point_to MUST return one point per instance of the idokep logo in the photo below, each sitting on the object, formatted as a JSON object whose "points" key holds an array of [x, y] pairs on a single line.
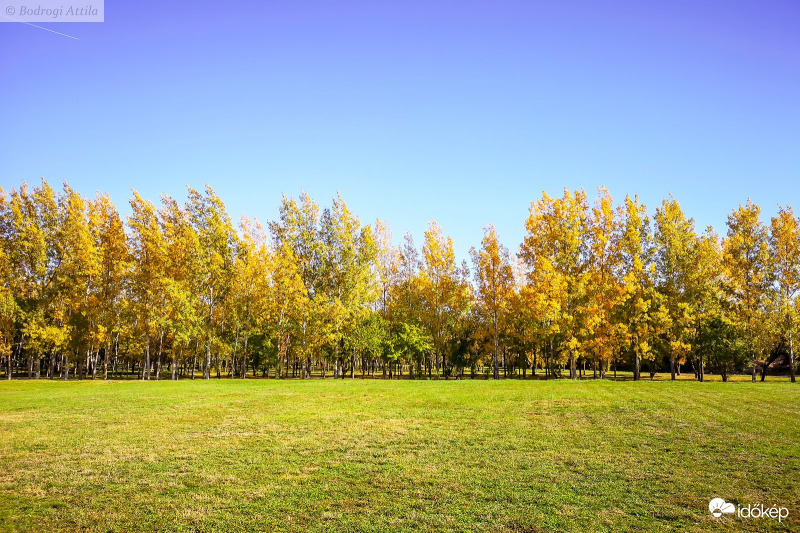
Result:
{"points": [[719, 507]]}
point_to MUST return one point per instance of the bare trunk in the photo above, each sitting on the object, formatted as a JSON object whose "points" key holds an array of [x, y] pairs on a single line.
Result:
{"points": [[158, 357], [496, 359], [175, 365], [194, 358], [207, 369], [244, 358], [146, 369], [105, 360]]}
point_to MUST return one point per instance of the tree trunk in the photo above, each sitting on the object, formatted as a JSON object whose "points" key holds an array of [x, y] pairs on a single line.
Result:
{"points": [[244, 358], [207, 369], [146, 369], [174, 365], [158, 360], [672, 367], [791, 358], [105, 360]]}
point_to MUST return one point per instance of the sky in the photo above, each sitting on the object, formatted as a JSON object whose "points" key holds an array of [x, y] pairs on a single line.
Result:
{"points": [[460, 111]]}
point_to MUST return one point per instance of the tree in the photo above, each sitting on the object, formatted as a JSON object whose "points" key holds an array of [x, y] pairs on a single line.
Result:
{"points": [[147, 282], [113, 263], [443, 293], [555, 253], [749, 274], [494, 279], [296, 238], [31, 228], [76, 276], [644, 316], [217, 242], [605, 289], [348, 269], [720, 342], [413, 343], [9, 311], [784, 240], [704, 292], [182, 319], [675, 252]]}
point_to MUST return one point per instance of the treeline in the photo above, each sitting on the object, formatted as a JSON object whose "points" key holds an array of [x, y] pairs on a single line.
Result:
{"points": [[176, 290]]}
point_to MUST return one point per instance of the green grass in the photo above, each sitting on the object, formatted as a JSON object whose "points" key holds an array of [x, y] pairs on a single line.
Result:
{"points": [[373, 455]]}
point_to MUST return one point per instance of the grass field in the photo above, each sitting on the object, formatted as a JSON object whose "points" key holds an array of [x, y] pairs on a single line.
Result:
{"points": [[374, 455]]}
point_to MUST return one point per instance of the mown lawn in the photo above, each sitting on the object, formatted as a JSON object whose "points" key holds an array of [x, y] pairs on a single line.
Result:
{"points": [[374, 455]]}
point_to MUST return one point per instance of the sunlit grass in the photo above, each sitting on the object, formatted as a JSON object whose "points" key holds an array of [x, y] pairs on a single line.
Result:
{"points": [[374, 455]]}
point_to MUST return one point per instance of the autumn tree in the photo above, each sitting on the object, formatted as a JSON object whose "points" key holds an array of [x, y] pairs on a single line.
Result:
{"points": [[494, 279], [675, 251], [605, 291], [749, 273], [784, 241], [9, 311], [113, 269], [555, 253], [217, 240], [443, 293], [182, 319], [148, 279], [708, 306], [32, 237], [348, 268], [296, 238], [644, 315], [76, 276]]}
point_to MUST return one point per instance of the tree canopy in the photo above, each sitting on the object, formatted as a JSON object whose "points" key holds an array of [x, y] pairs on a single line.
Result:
{"points": [[176, 289]]}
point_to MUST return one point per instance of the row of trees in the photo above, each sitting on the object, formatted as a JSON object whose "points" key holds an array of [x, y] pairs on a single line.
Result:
{"points": [[176, 289]]}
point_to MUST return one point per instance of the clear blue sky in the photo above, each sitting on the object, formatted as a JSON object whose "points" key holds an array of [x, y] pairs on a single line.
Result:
{"points": [[460, 111]]}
